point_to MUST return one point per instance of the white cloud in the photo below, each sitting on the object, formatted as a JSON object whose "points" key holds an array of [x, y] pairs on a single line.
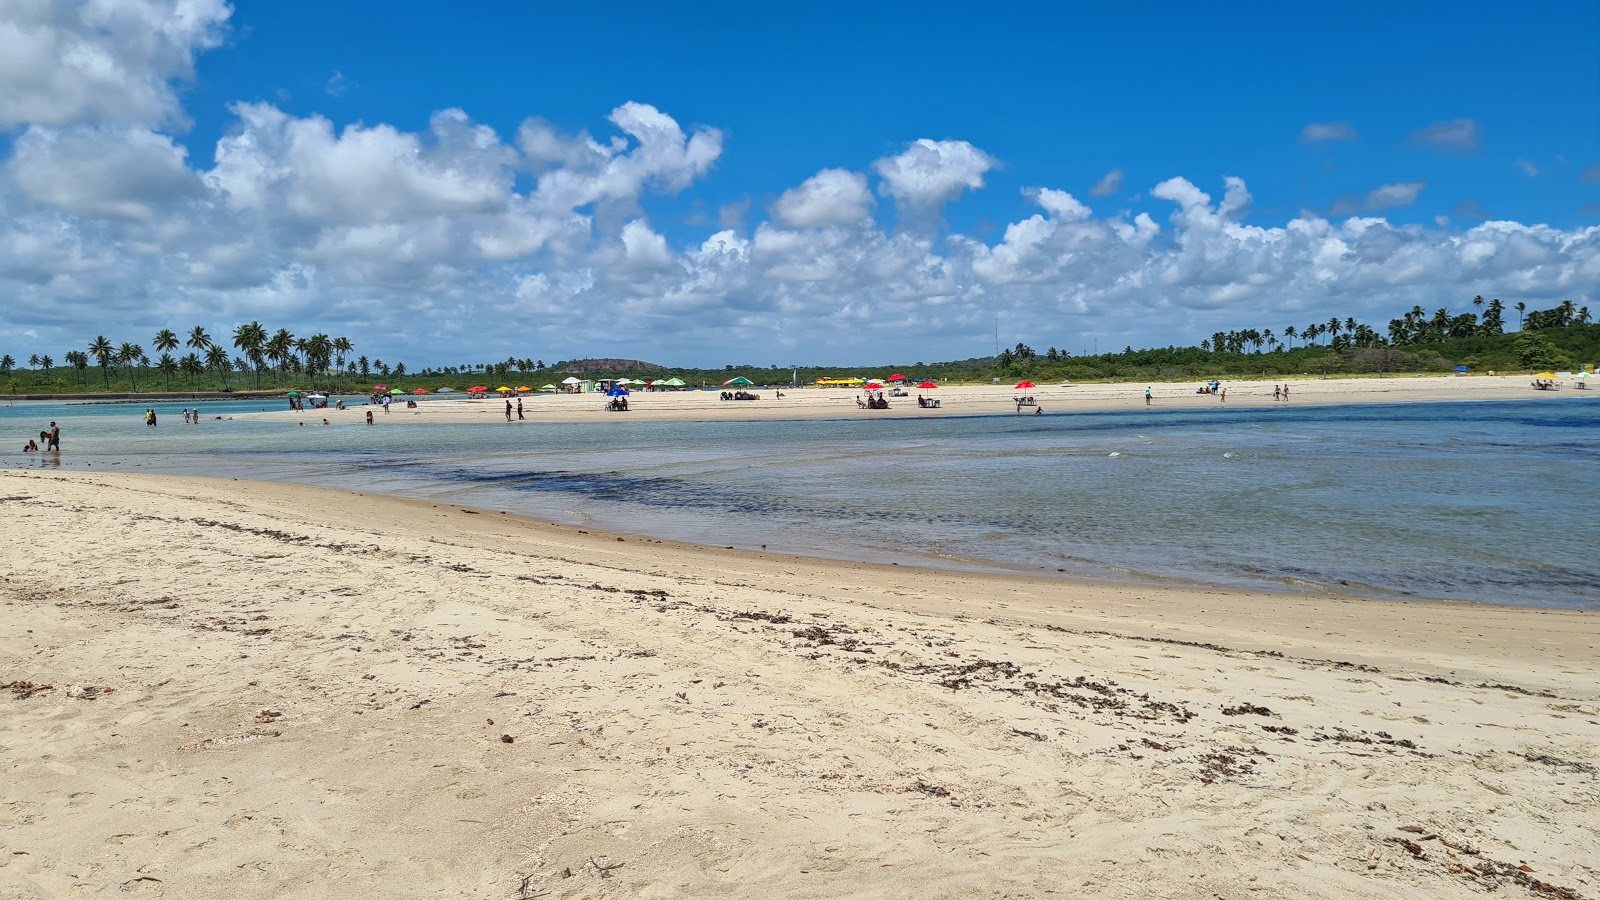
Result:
{"points": [[1454, 136], [930, 173], [1392, 195], [1320, 132], [1528, 167], [109, 171], [100, 61], [830, 197], [1108, 184]]}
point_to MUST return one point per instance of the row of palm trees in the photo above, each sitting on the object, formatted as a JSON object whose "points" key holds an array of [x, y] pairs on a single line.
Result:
{"points": [[259, 352], [1416, 326]]}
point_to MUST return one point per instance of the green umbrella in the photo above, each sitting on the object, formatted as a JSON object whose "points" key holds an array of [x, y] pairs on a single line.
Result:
{"points": [[740, 380], [396, 392], [292, 394]]}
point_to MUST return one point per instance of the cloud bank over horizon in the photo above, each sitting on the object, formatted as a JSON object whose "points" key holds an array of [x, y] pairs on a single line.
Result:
{"points": [[458, 242]]}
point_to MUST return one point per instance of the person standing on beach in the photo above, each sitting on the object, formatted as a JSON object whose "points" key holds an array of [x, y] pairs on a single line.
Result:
{"points": [[1286, 392], [519, 409], [1146, 396], [369, 417], [508, 409], [53, 442], [1277, 393], [1223, 395]]}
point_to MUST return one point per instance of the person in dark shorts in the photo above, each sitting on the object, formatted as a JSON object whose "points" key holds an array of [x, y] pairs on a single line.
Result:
{"points": [[53, 438]]}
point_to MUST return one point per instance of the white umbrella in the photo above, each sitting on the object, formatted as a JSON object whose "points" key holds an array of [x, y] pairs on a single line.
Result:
{"points": [[570, 380], [445, 390], [624, 381]]}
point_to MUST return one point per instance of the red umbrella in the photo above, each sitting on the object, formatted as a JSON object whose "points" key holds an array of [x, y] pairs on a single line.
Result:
{"points": [[380, 387], [927, 385], [897, 377], [1024, 384], [422, 391], [479, 389], [872, 386]]}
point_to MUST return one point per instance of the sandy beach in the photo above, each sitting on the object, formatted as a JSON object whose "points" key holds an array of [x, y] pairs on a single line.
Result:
{"points": [[957, 400], [225, 688]]}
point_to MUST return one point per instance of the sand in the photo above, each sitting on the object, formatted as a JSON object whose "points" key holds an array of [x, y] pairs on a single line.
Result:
{"points": [[222, 688], [958, 400]]}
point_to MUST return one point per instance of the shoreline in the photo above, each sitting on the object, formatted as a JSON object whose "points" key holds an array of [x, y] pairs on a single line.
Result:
{"points": [[245, 687], [956, 401]]}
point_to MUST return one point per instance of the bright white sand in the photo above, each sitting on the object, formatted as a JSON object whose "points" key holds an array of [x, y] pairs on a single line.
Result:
{"points": [[269, 691], [816, 403]]}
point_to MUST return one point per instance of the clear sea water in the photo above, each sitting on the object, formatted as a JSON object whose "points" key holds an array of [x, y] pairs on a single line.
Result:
{"points": [[1474, 501]]}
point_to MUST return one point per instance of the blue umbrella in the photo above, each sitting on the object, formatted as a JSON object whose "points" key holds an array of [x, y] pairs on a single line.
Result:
{"points": [[617, 392], [1463, 369]]}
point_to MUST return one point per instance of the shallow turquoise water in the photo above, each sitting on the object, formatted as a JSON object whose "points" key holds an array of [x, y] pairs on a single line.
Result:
{"points": [[1479, 501]]}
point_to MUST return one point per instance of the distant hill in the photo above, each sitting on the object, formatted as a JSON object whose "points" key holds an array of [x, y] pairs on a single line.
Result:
{"points": [[607, 366]]}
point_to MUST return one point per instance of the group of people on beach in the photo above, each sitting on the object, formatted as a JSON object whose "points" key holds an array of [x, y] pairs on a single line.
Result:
{"points": [[51, 438], [1215, 388], [872, 401], [1280, 393]]}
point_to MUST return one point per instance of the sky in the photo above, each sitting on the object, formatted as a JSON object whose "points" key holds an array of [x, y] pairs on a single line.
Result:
{"points": [[775, 185]]}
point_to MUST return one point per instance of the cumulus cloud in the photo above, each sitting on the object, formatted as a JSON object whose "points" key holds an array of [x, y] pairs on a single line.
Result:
{"points": [[1590, 173], [111, 172], [1109, 184], [1392, 195], [930, 173], [101, 62], [1320, 132], [1454, 136], [830, 197], [1528, 167]]}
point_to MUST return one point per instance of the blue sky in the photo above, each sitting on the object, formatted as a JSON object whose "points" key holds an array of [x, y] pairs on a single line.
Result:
{"points": [[368, 169]]}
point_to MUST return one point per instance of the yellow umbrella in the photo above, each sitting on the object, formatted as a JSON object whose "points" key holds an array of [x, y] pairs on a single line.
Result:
{"points": [[1545, 375], [502, 389]]}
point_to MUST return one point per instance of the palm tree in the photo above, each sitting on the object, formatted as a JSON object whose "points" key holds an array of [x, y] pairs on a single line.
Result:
{"points": [[79, 361], [1478, 301], [1583, 315], [7, 364], [1520, 308], [1291, 333], [217, 358], [198, 340], [165, 341], [280, 349], [193, 366], [251, 340], [318, 350], [341, 349], [33, 360], [168, 367], [46, 363], [104, 353], [132, 356]]}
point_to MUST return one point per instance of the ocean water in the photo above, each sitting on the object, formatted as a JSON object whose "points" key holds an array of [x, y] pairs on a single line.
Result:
{"points": [[1473, 501]]}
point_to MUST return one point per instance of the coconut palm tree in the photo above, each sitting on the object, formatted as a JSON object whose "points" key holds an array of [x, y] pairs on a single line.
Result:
{"points": [[46, 363], [132, 356], [217, 358], [192, 365], [198, 340], [165, 341], [104, 353], [33, 360], [7, 364], [168, 367], [1520, 308], [318, 350], [342, 348], [251, 340], [280, 349], [79, 361]]}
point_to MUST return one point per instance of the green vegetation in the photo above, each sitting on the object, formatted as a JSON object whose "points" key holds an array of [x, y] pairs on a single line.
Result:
{"points": [[1416, 342]]}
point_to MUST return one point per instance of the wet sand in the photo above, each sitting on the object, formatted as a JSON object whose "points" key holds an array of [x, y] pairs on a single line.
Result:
{"points": [[221, 688]]}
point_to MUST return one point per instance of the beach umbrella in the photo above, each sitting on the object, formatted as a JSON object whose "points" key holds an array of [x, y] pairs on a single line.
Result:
{"points": [[547, 387], [927, 385], [617, 392], [292, 394], [897, 377], [571, 380], [421, 391], [624, 381], [1023, 385], [1545, 375], [477, 389], [673, 382], [740, 380], [380, 388], [502, 389], [872, 386], [445, 390], [396, 392], [524, 389], [1462, 370]]}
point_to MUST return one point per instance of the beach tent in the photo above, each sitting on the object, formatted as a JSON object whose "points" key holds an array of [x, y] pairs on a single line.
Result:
{"points": [[673, 382], [1462, 370], [477, 389], [897, 377], [1024, 385], [421, 391], [547, 387], [571, 380], [624, 381], [445, 390], [502, 389], [740, 380], [872, 386], [617, 392], [524, 389]]}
